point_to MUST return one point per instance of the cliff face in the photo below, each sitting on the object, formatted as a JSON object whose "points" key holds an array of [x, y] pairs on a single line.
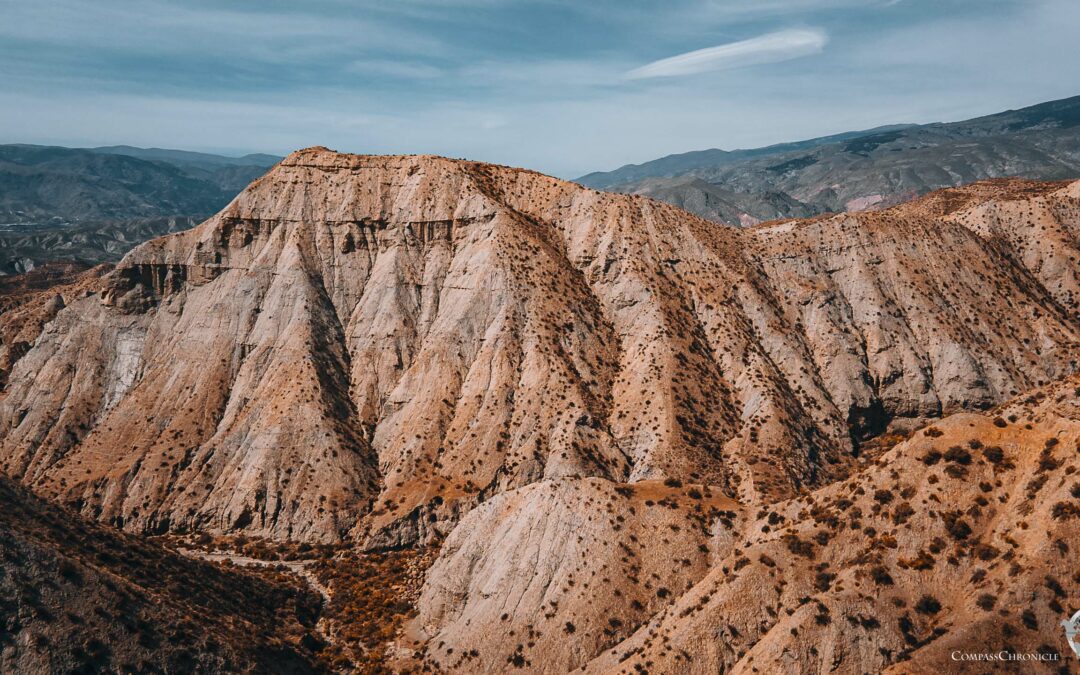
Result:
{"points": [[370, 346]]}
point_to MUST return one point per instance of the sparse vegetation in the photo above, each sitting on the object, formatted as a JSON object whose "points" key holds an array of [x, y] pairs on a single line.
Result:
{"points": [[372, 595]]}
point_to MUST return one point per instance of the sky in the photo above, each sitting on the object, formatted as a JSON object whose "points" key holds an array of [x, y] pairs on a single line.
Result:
{"points": [[561, 86]]}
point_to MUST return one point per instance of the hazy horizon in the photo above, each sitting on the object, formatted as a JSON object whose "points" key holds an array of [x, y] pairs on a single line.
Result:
{"points": [[543, 84]]}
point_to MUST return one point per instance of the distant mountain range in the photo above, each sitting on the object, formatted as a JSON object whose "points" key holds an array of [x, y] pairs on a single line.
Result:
{"points": [[94, 204], [860, 170]]}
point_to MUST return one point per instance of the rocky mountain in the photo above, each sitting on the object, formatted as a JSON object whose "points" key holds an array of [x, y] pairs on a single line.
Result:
{"points": [[94, 205], [638, 436], [79, 597], [862, 170]]}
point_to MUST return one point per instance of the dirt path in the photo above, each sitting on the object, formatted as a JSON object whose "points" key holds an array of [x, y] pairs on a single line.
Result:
{"points": [[297, 567]]}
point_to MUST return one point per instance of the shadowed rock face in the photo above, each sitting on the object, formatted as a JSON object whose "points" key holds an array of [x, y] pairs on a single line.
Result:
{"points": [[369, 346]]}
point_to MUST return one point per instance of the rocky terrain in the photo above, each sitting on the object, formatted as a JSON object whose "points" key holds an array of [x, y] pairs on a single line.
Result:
{"points": [[29, 301], [857, 171], [960, 538], [640, 440], [79, 597], [93, 205]]}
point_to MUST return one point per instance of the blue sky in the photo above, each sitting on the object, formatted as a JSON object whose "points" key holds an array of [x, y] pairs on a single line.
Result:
{"points": [[562, 86]]}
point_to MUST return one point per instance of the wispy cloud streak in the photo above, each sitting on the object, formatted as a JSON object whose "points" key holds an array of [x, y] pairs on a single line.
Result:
{"points": [[769, 48]]}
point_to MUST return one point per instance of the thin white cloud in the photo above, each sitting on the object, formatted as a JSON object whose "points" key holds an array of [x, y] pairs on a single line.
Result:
{"points": [[769, 48]]}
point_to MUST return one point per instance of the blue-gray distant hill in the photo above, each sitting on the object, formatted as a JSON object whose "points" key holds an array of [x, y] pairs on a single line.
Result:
{"points": [[93, 204], [859, 170]]}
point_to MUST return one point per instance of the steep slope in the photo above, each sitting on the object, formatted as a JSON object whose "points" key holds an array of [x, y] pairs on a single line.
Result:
{"points": [[874, 169], [1036, 224], [959, 539], [78, 597], [29, 301], [368, 347], [547, 576]]}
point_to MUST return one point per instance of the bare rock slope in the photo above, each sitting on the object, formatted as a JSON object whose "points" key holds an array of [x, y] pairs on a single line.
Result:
{"points": [[370, 346], [960, 538]]}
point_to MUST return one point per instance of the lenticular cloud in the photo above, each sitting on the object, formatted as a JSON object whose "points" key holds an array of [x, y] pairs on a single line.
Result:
{"points": [[770, 48]]}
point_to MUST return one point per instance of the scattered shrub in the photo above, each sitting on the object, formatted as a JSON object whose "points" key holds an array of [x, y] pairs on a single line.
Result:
{"points": [[994, 454], [881, 576], [928, 605], [958, 455], [883, 496], [1029, 620]]}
